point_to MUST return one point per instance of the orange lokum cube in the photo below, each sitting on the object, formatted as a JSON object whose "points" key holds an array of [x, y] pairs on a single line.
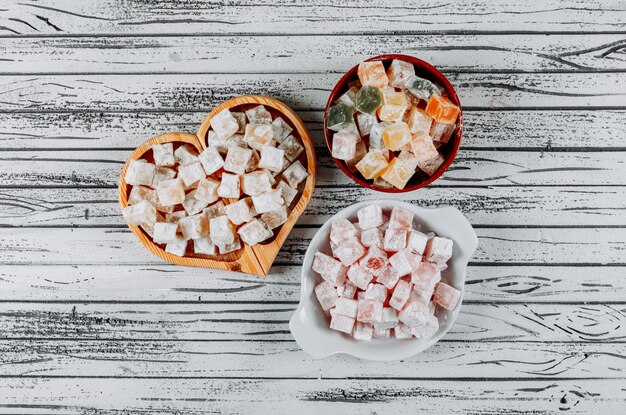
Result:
{"points": [[373, 73], [398, 173], [396, 135], [442, 109], [372, 164]]}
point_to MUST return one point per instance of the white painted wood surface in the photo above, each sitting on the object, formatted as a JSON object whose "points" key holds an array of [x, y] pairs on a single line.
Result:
{"points": [[92, 323]]}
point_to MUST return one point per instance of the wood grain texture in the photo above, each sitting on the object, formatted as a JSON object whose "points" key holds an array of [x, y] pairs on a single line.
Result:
{"points": [[119, 17]]}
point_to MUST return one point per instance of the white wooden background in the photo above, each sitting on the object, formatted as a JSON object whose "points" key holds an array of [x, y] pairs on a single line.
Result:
{"points": [[91, 323]]}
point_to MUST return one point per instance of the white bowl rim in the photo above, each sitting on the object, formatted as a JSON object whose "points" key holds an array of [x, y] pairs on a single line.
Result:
{"points": [[320, 341]]}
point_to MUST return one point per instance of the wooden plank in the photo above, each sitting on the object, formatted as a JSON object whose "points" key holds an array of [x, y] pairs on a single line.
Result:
{"points": [[499, 246], [554, 129], [262, 54], [284, 359], [58, 17], [484, 206], [309, 396], [185, 92], [167, 283], [201, 321], [471, 168]]}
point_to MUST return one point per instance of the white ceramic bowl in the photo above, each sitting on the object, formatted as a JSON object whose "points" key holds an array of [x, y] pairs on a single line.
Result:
{"points": [[309, 326]]}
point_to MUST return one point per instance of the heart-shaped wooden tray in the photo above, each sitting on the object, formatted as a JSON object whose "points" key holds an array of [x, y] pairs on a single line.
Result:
{"points": [[249, 259]]}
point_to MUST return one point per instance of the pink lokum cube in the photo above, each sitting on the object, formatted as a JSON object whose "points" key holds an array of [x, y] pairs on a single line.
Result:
{"points": [[446, 296], [349, 251], [400, 218], [381, 333], [388, 276], [395, 239], [370, 217], [374, 261], [438, 250], [426, 328], [348, 290], [363, 331], [346, 307], [369, 311], [400, 294], [359, 277], [326, 295], [341, 323], [341, 230], [329, 268], [402, 332], [417, 242], [389, 319], [414, 313], [404, 261], [425, 277], [376, 292], [372, 237]]}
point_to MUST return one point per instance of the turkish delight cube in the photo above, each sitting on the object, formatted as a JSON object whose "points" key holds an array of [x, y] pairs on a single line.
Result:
{"points": [[446, 296], [224, 124], [139, 172], [402, 332], [342, 230], [360, 152], [404, 262], [193, 205], [268, 201], [341, 323], [438, 250], [414, 313], [326, 295], [428, 157], [344, 145], [395, 239], [207, 190], [163, 154], [281, 129], [426, 328], [291, 147], [441, 132], [372, 237], [399, 72], [442, 109], [329, 268], [396, 135], [275, 218], [204, 246], [381, 333], [372, 165], [253, 163], [162, 173], [376, 136], [389, 319], [421, 88], [174, 217], [388, 276], [229, 187], [348, 290], [217, 142], [363, 331], [374, 261], [348, 97], [255, 183], [400, 218], [349, 252], [373, 73], [164, 232], [346, 307], [359, 277], [177, 247], [398, 172], [241, 121], [139, 193], [370, 216], [258, 135], [376, 292], [417, 242], [231, 247], [239, 212], [259, 115], [215, 210], [237, 160], [394, 106], [365, 122], [369, 311], [193, 227], [425, 278], [185, 154], [191, 173], [171, 192], [222, 230], [143, 213], [211, 160], [418, 121], [401, 294], [272, 158], [255, 232], [339, 117], [295, 174], [368, 100]]}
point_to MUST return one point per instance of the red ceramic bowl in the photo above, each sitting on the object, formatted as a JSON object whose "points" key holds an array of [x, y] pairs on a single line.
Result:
{"points": [[449, 150]]}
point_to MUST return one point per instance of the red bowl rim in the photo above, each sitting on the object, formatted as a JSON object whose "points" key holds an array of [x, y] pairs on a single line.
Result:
{"points": [[438, 77]]}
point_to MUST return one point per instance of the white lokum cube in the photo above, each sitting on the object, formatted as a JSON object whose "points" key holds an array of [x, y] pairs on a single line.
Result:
{"points": [[237, 159], [255, 232], [185, 154], [229, 187], [389, 319], [295, 174], [438, 250], [370, 217], [349, 251], [281, 129], [139, 193], [418, 121], [255, 183], [287, 192], [193, 227], [139, 172], [162, 173], [207, 190], [369, 311], [239, 212], [241, 121], [275, 218], [402, 332], [211, 160], [177, 247], [342, 230], [272, 158], [204, 246], [401, 294], [174, 217], [218, 143], [363, 331], [259, 115], [376, 292], [163, 154], [372, 237], [414, 313], [417, 242], [344, 144], [193, 205], [426, 328], [404, 262], [346, 307], [215, 210], [291, 147], [326, 295], [222, 231], [359, 277], [365, 122], [395, 239], [268, 201], [258, 135], [329, 268], [231, 247], [164, 232], [341, 323], [224, 124], [143, 213], [399, 72], [191, 173]]}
